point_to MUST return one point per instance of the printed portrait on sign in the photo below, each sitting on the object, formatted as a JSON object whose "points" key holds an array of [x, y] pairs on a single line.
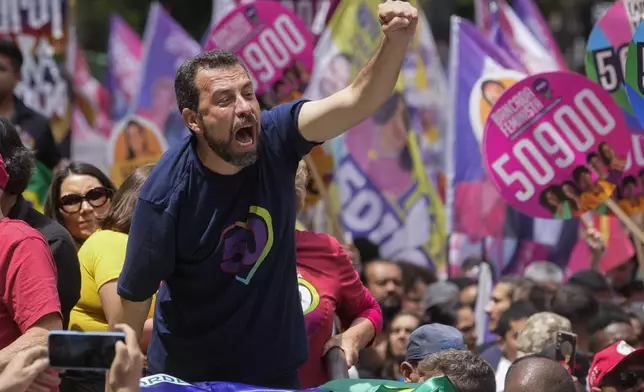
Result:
{"points": [[593, 193], [630, 200], [134, 142], [555, 200], [485, 93]]}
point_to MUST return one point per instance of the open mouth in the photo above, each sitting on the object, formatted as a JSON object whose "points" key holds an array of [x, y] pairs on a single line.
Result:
{"points": [[245, 137]]}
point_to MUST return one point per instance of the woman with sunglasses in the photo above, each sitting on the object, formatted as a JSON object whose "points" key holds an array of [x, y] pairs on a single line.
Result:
{"points": [[329, 284], [101, 259], [79, 194]]}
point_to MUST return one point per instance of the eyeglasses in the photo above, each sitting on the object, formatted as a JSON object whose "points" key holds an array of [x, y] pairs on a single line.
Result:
{"points": [[96, 197]]}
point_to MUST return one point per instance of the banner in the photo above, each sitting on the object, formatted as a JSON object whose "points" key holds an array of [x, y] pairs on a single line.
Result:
{"points": [[530, 15], [91, 123], [314, 13], [153, 122], [124, 52], [41, 33], [385, 193]]}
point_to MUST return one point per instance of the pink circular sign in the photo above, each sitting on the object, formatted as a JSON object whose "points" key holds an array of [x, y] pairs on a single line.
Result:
{"points": [[273, 42], [556, 145]]}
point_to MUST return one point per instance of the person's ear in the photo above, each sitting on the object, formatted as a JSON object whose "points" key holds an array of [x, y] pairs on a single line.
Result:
{"points": [[191, 119], [407, 371]]}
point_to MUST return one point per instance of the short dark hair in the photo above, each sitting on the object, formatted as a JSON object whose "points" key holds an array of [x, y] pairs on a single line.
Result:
{"points": [[185, 86], [52, 203], [574, 302], [413, 273], [606, 317], [467, 371], [18, 159], [543, 375], [578, 171], [445, 313], [592, 155], [119, 216], [517, 311], [540, 296], [11, 50]]}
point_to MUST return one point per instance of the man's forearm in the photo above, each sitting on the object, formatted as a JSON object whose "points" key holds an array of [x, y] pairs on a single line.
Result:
{"points": [[32, 338], [133, 314], [362, 330], [377, 79]]}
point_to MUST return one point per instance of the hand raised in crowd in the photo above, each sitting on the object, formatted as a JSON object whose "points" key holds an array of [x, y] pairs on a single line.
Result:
{"points": [[127, 368], [594, 239], [27, 371], [348, 343], [397, 18]]}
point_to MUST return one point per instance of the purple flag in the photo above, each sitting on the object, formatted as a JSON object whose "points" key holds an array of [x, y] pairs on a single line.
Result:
{"points": [[165, 47], [479, 74], [530, 15], [124, 65]]}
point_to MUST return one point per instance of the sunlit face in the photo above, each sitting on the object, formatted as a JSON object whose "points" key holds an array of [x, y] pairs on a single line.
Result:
{"points": [[137, 138], [401, 328], [9, 77], [466, 323], [597, 165], [83, 223], [492, 92], [499, 302], [509, 341], [384, 281], [569, 191], [229, 114], [552, 199], [608, 151], [337, 77], [393, 134]]}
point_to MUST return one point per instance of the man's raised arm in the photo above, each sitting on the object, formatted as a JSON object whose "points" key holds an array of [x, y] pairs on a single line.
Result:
{"points": [[330, 117]]}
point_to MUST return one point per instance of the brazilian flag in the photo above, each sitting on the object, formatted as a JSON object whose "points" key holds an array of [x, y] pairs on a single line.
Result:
{"points": [[38, 186]]}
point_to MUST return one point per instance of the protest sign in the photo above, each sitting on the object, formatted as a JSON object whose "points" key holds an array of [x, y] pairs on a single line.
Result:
{"points": [[275, 45], [606, 58], [547, 140]]}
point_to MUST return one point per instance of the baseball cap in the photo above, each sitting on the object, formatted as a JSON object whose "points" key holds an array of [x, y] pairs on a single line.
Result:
{"points": [[608, 359], [440, 292], [433, 338], [4, 176]]}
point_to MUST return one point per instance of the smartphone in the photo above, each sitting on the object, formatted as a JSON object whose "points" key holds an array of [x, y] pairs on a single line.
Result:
{"points": [[566, 349], [90, 351]]}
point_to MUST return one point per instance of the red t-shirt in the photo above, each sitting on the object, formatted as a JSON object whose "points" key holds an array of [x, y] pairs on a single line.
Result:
{"points": [[328, 285], [27, 279]]}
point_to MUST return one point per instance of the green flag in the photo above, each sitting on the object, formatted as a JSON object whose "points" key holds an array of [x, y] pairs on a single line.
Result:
{"points": [[435, 384], [38, 186]]}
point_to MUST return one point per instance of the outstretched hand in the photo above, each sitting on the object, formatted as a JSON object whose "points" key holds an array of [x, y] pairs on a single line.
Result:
{"points": [[398, 19]]}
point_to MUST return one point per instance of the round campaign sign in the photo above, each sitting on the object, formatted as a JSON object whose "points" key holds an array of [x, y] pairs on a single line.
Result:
{"points": [[275, 45], [606, 58], [556, 145]]}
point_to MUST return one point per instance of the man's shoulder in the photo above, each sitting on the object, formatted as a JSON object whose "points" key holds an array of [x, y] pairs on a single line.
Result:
{"points": [[13, 231], [48, 227], [169, 174], [285, 112]]}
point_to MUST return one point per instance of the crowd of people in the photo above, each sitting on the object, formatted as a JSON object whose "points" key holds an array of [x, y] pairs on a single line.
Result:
{"points": [[197, 259]]}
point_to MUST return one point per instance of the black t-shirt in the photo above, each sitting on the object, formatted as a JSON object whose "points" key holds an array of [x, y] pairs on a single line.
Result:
{"points": [[36, 134], [64, 251], [224, 247]]}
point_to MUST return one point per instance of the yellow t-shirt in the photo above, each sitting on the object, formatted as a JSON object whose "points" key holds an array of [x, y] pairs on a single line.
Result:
{"points": [[101, 260]]}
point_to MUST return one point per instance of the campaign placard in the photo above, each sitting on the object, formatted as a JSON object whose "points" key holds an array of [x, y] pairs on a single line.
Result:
{"points": [[606, 53], [275, 45], [556, 145]]}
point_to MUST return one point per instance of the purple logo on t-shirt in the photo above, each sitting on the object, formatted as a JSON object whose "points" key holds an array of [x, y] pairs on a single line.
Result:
{"points": [[246, 244]]}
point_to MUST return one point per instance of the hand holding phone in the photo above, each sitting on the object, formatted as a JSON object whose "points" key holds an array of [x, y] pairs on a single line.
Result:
{"points": [[87, 351], [25, 369], [566, 350]]}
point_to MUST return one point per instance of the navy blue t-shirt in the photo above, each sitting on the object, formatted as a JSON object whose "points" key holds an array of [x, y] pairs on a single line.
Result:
{"points": [[224, 247]]}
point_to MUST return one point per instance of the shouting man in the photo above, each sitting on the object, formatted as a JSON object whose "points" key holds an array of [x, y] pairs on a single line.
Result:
{"points": [[215, 221]]}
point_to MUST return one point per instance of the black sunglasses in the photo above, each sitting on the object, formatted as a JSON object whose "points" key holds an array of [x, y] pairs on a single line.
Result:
{"points": [[96, 197]]}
